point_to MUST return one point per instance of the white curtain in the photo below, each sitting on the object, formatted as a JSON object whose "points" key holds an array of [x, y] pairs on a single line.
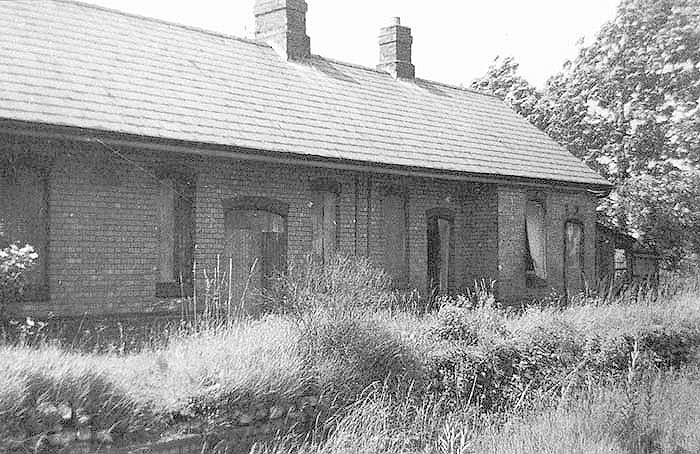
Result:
{"points": [[534, 223]]}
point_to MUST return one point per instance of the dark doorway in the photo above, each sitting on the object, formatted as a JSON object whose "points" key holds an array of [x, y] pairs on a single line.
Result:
{"points": [[439, 240]]}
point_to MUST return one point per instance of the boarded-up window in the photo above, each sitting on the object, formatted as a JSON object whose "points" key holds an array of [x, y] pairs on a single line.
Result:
{"points": [[324, 225], [620, 260], [536, 241], [176, 238], [167, 232], [439, 247], [394, 229], [256, 247], [573, 257], [24, 220]]}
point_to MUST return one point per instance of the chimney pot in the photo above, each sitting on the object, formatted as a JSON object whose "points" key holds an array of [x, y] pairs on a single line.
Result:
{"points": [[395, 43], [282, 24]]}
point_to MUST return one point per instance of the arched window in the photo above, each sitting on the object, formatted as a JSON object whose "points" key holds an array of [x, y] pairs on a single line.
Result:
{"points": [[256, 242], [440, 222], [535, 243]]}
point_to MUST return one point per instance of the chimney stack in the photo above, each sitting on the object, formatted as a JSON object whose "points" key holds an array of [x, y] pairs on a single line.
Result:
{"points": [[282, 24], [395, 43]]}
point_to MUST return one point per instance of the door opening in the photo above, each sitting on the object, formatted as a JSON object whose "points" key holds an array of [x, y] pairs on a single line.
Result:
{"points": [[439, 240]]}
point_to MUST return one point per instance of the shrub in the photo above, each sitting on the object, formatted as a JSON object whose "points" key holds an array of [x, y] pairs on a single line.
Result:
{"points": [[15, 262], [349, 352], [549, 353], [470, 318], [498, 359], [483, 376], [457, 324], [344, 282], [470, 326]]}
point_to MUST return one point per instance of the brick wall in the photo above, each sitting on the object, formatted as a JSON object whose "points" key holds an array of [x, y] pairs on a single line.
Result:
{"points": [[425, 194], [481, 234], [103, 223], [560, 207], [102, 241]]}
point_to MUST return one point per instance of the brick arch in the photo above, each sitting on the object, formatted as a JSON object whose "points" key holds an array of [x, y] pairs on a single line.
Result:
{"points": [[255, 245]]}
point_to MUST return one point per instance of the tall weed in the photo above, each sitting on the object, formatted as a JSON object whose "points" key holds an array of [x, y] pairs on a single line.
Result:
{"points": [[345, 283]]}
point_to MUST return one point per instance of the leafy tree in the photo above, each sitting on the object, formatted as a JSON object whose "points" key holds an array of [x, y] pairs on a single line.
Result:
{"points": [[667, 205], [503, 80], [629, 106], [629, 102]]}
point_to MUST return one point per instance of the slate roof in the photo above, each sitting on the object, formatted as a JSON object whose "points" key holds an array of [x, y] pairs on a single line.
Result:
{"points": [[72, 64]]}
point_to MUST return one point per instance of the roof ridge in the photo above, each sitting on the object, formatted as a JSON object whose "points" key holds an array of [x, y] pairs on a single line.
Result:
{"points": [[461, 88], [379, 71], [162, 22], [350, 64], [257, 43]]}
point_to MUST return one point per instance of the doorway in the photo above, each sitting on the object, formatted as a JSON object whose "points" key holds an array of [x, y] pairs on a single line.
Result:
{"points": [[255, 250], [439, 236], [573, 258]]}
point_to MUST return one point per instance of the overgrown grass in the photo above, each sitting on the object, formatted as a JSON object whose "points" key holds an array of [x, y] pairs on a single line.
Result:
{"points": [[597, 376], [345, 283], [657, 413]]}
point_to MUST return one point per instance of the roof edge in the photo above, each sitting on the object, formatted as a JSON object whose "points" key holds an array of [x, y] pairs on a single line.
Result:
{"points": [[65, 132]]}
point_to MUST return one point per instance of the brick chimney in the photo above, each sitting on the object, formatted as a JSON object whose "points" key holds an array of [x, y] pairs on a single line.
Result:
{"points": [[395, 43], [282, 23]]}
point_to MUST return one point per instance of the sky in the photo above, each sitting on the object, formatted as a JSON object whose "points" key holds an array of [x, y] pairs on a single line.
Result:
{"points": [[454, 41]]}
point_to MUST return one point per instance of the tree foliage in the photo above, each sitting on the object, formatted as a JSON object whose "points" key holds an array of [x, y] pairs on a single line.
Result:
{"points": [[629, 106], [503, 80]]}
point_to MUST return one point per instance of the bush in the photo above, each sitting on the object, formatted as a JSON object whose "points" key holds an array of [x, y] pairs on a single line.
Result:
{"points": [[549, 353], [494, 358], [480, 324], [345, 282], [465, 375], [15, 263], [348, 353]]}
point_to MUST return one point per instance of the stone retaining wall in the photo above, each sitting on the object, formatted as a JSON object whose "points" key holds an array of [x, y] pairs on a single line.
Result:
{"points": [[234, 431]]}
